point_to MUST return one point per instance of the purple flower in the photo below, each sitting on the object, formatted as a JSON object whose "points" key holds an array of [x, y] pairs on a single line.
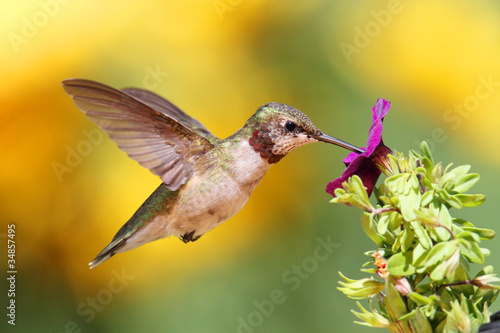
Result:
{"points": [[369, 164]]}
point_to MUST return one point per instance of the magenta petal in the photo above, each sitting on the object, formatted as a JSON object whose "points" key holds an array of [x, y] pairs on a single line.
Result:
{"points": [[362, 166], [380, 109], [375, 133], [351, 157], [374, 137], [365, 165]]}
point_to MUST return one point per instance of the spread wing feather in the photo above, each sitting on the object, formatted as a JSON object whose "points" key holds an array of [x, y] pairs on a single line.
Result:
{"points": [[151, 130], [168, 108]]}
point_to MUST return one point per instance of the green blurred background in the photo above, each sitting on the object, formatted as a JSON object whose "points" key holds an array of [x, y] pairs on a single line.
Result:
{"points": [[219, 61]]}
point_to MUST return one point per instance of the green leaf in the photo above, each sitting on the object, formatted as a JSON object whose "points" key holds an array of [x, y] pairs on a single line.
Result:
{"points": [[368, 263], [373, 318], [486, 270], [346, 279], [358, 289], [437, 172], [470, 236], [486, 253], [407, 316], [420, 323], [422, 235], [443, 220], [427, 183], [347, 195], [446, 268], [440, 328], [409, 204], [393, 161], [402, 184], [396, 308], [414, 183], [490, 296], [455, 229], [471, 251], [419, 254], [397, 242], [452, 177], [460, 171], [439, 253], [423, 288], [483, 233], [395, 201], [426, 152], [408, 238], [395, 220], [396, 183], [387, 238], [427, 198], [428, 165], [421, 171], [426, 216], [447, 181], [454, 202], [450, 200], [462, 222], [369, 228], [439, 234], [359, 189], [457, 318], [382, 224], [418, 277], [400, 264], [355, 200], [419, 299], [470, 200], [339, 192], [445, 217], [466, 183], [404, 164], [475, 324]]}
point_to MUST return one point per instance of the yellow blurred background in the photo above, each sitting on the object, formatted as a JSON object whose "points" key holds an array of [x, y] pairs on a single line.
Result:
{"points": [[219, 60]]}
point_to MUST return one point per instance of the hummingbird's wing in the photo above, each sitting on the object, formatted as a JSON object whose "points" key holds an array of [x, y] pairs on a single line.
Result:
{"points": [[168, 108], [160, 143]]}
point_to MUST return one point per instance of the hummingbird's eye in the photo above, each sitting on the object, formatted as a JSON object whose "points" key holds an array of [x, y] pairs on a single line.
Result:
{"points": [[290, 126]]}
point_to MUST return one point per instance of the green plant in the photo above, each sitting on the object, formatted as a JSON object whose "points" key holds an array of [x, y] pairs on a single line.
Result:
{"points": [[422, 279]]}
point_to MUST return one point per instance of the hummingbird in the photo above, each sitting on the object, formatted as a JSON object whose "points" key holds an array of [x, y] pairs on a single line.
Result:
{"points": [[205, 180]]}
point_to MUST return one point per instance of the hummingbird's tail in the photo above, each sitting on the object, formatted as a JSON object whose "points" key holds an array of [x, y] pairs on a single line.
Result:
{"points": [[141, 227]]}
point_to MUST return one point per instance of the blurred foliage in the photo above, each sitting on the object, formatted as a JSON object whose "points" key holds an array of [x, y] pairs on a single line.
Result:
{"points": [[432, 60], [425, 255]]}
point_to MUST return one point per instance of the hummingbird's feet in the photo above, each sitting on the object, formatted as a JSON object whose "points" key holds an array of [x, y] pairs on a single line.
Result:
{"points": [[186, 238]]}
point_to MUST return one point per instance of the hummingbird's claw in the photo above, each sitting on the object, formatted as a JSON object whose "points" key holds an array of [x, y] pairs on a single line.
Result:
{"points": [[189, 237]]}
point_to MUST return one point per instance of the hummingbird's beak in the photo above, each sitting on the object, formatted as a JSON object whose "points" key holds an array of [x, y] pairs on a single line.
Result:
{"points": [[330, 139]]}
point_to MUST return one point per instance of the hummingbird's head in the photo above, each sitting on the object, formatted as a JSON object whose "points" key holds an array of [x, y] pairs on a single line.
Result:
{"points": [[278, 129]]}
